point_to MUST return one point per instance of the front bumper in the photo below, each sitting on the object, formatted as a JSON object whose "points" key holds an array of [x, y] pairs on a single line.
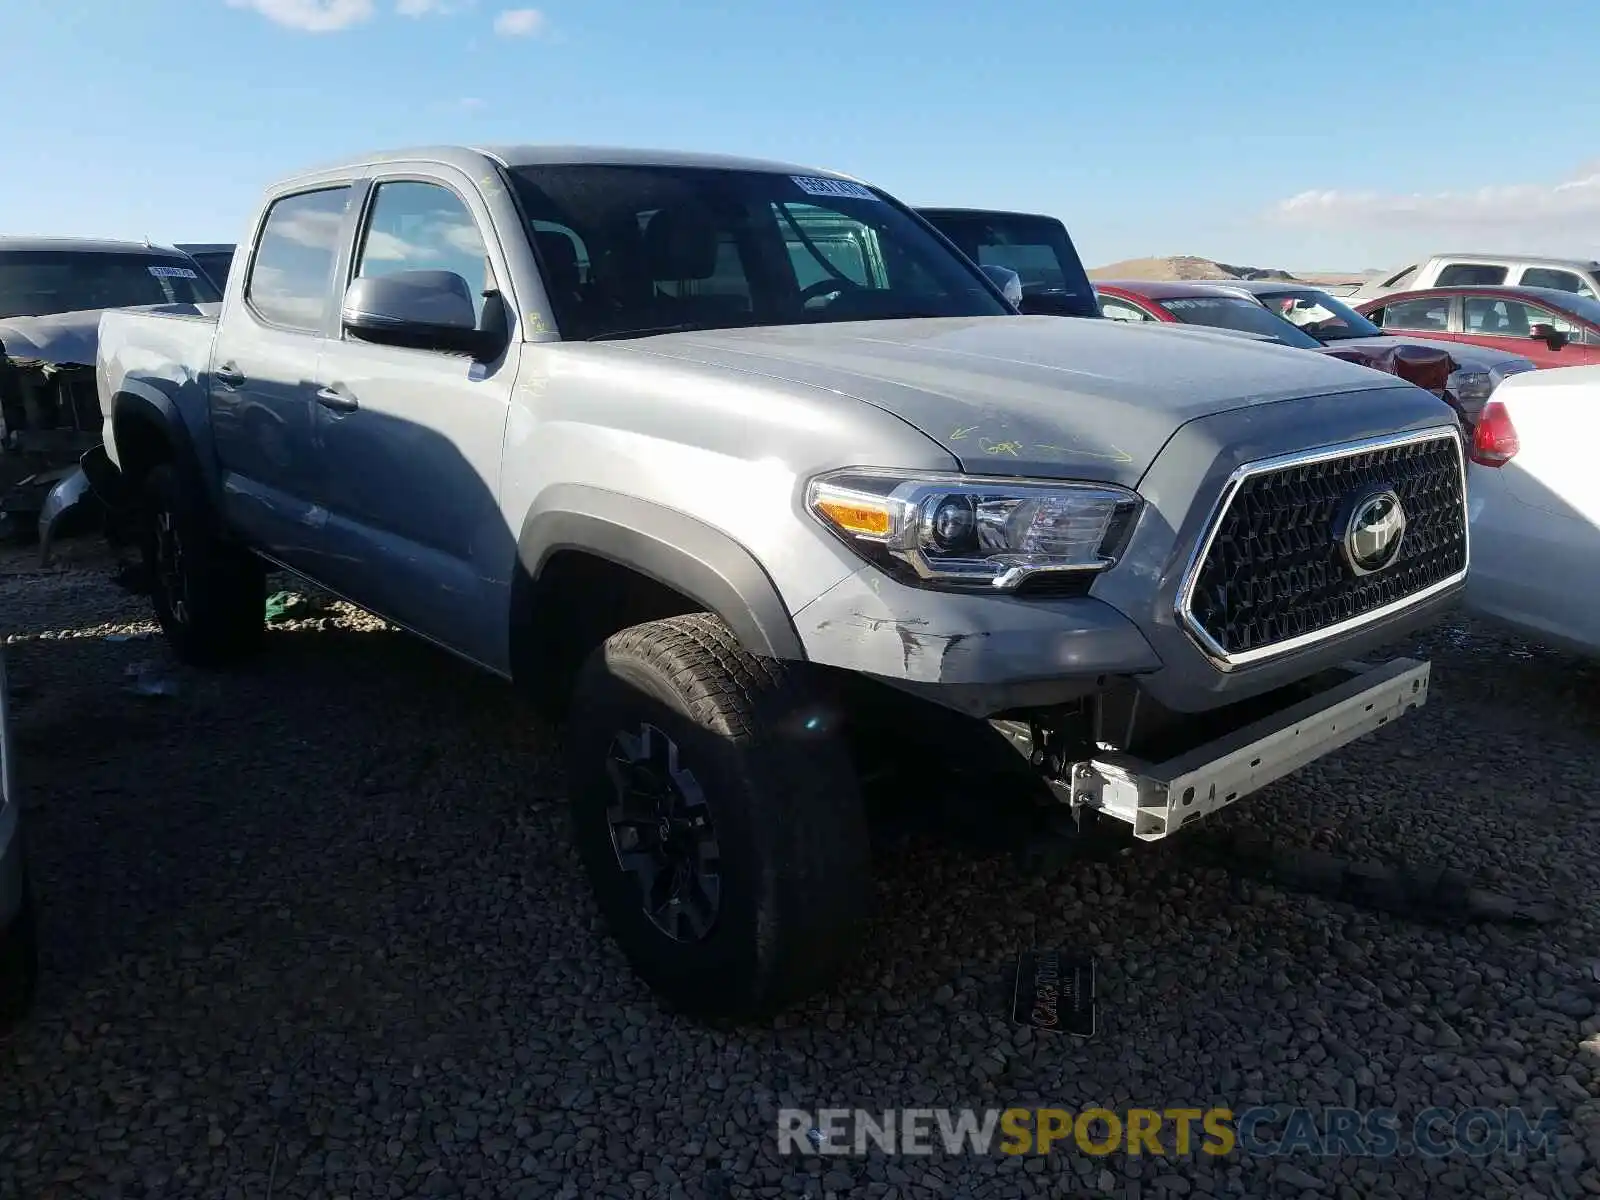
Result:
{"points": [[1158, 799]]}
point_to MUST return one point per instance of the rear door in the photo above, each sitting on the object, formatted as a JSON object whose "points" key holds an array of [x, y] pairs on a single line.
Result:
{"points": [[270, 338]]}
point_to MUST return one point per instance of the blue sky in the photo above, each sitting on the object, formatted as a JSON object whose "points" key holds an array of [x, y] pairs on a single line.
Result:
{"points": [[1345, 136]]}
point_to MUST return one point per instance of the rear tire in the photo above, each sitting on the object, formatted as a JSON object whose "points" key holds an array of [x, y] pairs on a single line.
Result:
{"points": [[209, 596], [19, 963], [713, 773]]}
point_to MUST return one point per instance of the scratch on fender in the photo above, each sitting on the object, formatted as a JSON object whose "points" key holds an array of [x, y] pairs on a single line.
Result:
{"points": [[1116, 454], [993, 447]]}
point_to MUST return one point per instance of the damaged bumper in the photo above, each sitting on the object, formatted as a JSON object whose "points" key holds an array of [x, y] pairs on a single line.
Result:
{"points": [[64, 502], [1159, 798]]}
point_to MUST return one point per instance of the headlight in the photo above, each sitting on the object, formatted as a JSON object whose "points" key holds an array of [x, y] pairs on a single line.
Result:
{"points": [[1471, 386], [978, 532], [1515, 367]]}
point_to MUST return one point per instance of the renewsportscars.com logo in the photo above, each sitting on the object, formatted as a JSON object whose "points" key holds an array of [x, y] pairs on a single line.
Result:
{"points": [[1172, 1132]]}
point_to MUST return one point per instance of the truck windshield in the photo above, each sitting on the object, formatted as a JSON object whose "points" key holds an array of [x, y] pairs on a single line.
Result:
{"points": [[1037, 248], [1230, 312], [39, 283], [633, 250], [1319, 314]]}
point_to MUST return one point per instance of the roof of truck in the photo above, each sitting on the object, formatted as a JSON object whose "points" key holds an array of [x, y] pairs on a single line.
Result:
{"points": [[471, 158], [83, 245], [1583, 264]]}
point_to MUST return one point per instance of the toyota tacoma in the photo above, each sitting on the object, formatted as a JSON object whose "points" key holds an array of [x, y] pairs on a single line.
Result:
{"points": [[744, 472]]}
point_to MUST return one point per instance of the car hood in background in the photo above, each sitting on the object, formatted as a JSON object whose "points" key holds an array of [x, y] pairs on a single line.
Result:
{"points": [[70, 339], [1476, 358], [1428, 366], [1027, 395]]}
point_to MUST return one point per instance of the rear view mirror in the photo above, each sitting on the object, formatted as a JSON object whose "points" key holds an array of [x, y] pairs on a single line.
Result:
{"points": [[422, 310], [1549, 335]]}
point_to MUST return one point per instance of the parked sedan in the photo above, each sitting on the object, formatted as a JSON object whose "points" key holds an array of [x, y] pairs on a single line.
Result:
{"points": [[1534, 508], [1333, 322], [1219, 306], [1553, 328]]}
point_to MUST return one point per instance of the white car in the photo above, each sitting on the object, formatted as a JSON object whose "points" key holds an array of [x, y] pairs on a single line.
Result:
{"points": [[1534, 508]]}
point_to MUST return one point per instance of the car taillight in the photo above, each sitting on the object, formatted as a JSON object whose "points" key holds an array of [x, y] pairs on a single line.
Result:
{"points": [[1494, 441]]}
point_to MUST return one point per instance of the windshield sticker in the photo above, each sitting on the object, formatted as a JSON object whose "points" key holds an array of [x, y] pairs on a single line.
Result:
{"points": [[814, 186], [172, 273], [1207, 302]]}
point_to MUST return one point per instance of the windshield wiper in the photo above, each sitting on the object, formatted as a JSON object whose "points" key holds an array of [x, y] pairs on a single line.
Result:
{"points": [[650, 331]]}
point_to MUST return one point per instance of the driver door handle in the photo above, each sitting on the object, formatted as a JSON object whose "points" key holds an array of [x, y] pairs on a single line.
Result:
{"points": [[333, 398], [228, 375]]}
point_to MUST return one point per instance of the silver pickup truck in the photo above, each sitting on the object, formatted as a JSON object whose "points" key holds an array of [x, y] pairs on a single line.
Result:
{"points": [[747, 473]]}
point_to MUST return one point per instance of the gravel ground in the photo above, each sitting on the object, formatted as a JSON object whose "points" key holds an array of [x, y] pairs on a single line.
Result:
{"points": [[313, 929]]}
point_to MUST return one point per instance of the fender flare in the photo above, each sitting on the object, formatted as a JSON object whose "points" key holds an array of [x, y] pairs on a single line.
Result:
{"points": [[151, 407], [668, 546]]}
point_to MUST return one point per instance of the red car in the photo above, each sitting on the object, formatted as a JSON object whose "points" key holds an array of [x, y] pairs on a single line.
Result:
{"points": [[1426, 366], [1553, 328]]}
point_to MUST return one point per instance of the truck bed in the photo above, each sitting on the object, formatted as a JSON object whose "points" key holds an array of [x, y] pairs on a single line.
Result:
{"points": [[161, 354]]}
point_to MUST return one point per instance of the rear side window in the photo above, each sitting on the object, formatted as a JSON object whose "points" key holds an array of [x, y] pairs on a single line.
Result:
{"points": [[1120, 310], [1561, 281], [1429, 314], [1402, 280], [291, 277], [1471, 275]]}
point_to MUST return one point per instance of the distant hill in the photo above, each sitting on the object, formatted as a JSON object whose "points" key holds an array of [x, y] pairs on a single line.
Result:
{"points": [[1188, 266]]}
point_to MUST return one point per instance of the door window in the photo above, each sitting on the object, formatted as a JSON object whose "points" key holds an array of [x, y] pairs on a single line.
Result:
{"points": [[1488, 316], [425, 227], [291, 276], [1426, 314], [1471, 275]]}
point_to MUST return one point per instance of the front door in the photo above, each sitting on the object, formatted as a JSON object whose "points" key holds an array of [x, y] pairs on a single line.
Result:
{"points": [[264, 365], [409, 441], [1506, 324]]}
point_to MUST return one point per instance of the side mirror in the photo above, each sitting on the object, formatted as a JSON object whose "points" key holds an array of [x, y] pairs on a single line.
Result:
{"points": [[1549, 335], [1007, 280], [421, 310]]}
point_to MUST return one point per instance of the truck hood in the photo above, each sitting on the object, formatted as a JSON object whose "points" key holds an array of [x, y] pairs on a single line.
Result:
{"points": [[1039, 395], [70, 339]]}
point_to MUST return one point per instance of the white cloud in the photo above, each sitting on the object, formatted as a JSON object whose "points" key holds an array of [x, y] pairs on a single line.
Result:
{"points": [[520, 22], [427, 8], [1566, 213], [312, 16]]}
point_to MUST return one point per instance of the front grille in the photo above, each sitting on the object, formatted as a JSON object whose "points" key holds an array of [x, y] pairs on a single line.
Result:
{"points": [[1275, 571]]}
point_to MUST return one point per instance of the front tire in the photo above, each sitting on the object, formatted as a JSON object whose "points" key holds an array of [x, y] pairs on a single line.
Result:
{"points": [[718, 817], [209, 596]]}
